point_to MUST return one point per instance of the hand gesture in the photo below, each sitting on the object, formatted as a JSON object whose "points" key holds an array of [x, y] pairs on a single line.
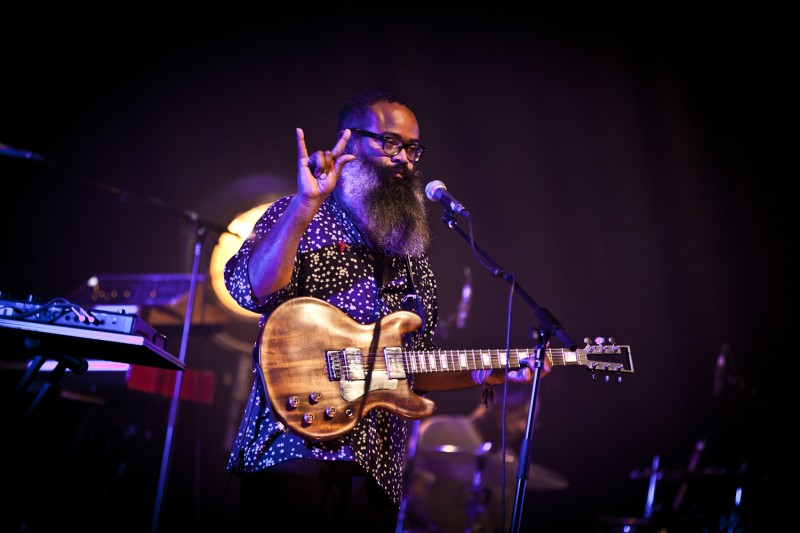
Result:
{"points": [[318, 173]]}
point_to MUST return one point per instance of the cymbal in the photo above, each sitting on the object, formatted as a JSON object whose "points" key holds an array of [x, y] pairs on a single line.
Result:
{"points": [[541, 478], [457, 450], [462, 464]]}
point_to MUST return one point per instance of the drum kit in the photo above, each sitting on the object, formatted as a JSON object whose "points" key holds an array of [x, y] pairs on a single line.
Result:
{"points": [[469, 489]]}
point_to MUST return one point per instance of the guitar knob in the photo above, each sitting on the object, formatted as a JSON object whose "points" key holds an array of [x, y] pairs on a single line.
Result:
{"points": [[308, 418], [349, 412], [330, 412], [314, 397], [293, 402]]}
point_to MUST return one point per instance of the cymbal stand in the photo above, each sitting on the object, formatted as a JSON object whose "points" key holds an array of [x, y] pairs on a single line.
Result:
{"points": [[649, 504], [479, 495]]}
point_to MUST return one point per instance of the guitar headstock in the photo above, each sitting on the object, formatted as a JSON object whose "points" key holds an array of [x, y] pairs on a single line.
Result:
{"points": [[606, 356]]}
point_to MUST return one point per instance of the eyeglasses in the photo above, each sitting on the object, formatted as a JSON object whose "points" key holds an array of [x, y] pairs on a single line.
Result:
{"points": [[393, 145]]}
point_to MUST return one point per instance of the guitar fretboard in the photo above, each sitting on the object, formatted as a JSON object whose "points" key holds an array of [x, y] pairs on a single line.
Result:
{"points": [[459, 360]]}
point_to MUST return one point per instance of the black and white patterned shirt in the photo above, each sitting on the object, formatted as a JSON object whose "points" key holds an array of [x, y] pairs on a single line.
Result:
{"points": [[335, 264]]}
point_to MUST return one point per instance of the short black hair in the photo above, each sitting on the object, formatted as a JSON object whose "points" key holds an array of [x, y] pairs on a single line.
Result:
{"points": [[356, 108]]}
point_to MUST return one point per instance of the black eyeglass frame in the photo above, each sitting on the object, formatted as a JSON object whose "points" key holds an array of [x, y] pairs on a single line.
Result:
{"points": [[402, 146]]}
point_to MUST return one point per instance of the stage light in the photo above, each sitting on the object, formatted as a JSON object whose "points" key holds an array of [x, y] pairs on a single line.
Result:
{"points": [[227, 245]]}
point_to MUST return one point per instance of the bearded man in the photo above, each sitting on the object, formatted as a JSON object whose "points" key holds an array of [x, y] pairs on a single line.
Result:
{"points": [[354, 236]]}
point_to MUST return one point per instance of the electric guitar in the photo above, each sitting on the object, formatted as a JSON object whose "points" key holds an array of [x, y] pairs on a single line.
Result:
{"points": [[324, 371]]}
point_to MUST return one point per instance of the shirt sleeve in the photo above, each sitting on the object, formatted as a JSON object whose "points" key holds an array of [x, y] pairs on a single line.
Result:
{"points": [[236, 273]]}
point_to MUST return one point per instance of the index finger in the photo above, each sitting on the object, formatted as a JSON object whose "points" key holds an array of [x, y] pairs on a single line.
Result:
{"points": [[302, 152], [338, 148]]}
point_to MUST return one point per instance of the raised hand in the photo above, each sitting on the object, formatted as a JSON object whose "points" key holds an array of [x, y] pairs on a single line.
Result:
{"points": [[318, 173]]}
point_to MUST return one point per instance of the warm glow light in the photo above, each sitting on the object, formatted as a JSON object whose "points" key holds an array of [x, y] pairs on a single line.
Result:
{"points": [[227, 245]]}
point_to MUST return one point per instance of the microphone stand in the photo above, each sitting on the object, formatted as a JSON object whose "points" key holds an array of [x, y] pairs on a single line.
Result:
{"points": [[548, 327]]}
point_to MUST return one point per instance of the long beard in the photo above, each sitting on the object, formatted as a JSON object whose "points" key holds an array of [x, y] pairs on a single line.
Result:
{"points": [[390, 211]]}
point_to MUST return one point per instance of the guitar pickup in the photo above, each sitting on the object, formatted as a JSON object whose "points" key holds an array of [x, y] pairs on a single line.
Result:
{"points": [[347, 364], [393, 357]]}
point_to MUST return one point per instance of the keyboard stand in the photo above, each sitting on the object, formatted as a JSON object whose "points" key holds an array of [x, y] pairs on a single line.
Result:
{"points": [[63, 362]]}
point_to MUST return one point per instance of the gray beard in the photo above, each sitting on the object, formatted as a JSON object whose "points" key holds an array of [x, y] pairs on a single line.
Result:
{"points": [[390, 212]]}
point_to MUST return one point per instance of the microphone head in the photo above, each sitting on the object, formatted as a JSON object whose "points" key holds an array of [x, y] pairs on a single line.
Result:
{"points": [[432, 187]]}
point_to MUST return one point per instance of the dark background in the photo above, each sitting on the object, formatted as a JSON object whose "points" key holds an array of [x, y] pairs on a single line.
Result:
{"points": [[624, 170]]}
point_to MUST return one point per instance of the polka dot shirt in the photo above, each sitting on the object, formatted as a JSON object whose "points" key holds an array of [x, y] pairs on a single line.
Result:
{"points": [[335, 264]]}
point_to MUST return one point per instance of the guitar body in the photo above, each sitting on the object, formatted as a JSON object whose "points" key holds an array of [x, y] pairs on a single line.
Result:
{"points": [[297, 373]]}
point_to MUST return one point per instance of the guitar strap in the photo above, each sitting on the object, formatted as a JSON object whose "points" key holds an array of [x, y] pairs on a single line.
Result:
{"points": [[413, 295]]}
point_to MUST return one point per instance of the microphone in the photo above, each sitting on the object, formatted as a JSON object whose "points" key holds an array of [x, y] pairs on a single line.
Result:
{"points": [[10, 151], [435, 191]]}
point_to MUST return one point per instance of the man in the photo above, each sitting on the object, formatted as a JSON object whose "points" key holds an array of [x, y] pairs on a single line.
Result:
{"points": [[353, 235]]}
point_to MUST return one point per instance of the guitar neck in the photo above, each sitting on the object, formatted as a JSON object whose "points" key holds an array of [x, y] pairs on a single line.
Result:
{"points": [[461, 360]]}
